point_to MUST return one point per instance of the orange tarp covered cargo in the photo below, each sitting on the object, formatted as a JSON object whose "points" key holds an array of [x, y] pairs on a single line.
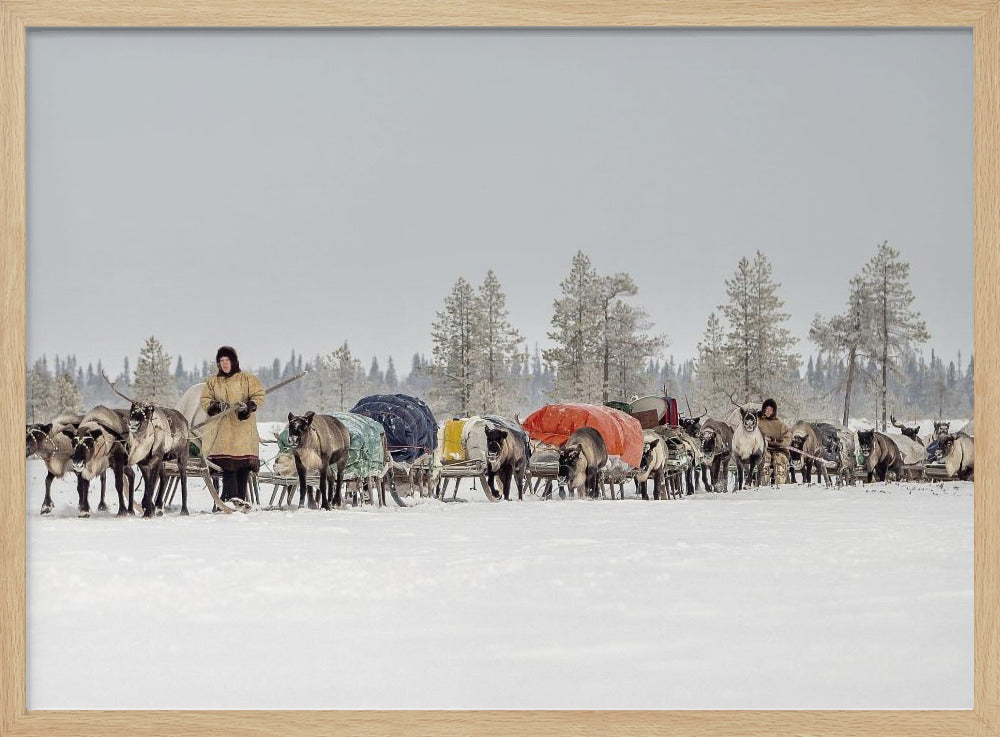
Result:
{"points": [[554, 423]]}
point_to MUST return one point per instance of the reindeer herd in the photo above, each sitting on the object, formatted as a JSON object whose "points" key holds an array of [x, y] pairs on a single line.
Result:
{"points": [[700, 452]]}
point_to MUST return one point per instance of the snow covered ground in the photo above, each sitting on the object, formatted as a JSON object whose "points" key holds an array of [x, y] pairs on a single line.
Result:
{"points": [[798, 598]]}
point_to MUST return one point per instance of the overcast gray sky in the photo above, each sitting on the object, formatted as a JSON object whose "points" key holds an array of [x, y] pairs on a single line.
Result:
{"points": [[280, 189]]}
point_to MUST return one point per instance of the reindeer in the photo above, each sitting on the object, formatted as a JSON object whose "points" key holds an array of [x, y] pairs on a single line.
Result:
{"points": [[882, 458], [805, 451], [156, 434], [581, 459], [652, 465], [838, 450], [506, 457], [99, 443], [691, 426], [47, 441], [748, 446], [717, 446], [318, 442], [958, 453], [913, 433]]}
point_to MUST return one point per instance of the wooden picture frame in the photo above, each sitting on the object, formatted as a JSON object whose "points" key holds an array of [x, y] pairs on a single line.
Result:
{"points": [[17, 16]]}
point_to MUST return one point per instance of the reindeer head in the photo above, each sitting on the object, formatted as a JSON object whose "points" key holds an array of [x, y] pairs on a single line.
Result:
{"points": [[36, 438], [691, 425], [944, 445], [298, 428], [139, 414], [795, 450], [84, 445], [913, 433], [569, 457], [866, 442], [495, 438], [941, 429], [748, 414]]}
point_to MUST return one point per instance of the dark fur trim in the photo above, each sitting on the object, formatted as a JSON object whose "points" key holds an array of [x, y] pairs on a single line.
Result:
{"points": [[230, 352]]}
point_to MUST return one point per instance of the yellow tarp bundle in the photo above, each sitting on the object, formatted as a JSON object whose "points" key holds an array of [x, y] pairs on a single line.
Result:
{"points": [[452, 448]]}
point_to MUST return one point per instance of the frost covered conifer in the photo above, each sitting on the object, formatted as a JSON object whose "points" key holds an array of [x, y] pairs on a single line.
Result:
{"points": [[759, 346], [455, 335], [497, 355], [893, 325], [844, 335], [154, 381], [714, 375], [67, 395], [341, 376], [40, 393], [576, 334], [631, 348]]}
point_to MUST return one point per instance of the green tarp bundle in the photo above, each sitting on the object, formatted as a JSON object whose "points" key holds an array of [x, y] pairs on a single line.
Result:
{"points": [[365, 457]]}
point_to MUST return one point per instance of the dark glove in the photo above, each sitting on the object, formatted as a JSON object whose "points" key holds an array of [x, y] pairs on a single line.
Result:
{"points": [[216, 407], [246, 410]]}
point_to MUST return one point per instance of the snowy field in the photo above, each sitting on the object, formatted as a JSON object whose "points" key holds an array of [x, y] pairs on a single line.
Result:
{"points": [[798, 598]]}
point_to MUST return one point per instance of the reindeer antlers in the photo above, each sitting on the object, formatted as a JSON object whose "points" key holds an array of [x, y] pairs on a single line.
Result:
{"points": [[115, 388]]}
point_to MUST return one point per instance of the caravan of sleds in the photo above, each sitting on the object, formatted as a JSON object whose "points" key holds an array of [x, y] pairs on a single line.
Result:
{"points": [[392, 444]]}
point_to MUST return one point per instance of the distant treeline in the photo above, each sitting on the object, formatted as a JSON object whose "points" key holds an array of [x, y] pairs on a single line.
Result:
{"points": [[602, 346]]}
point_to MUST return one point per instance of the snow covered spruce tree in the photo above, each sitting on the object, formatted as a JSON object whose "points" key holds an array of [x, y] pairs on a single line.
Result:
{"points": [[714, 377], [758, 347], [154, 381], [343, 377], [894, 325], [67, 395], [602, 344], [576, 333], [476, 350], [40, 393], [455, 337], [499, 354], [630, 349], [391, 379], [844, 335]]}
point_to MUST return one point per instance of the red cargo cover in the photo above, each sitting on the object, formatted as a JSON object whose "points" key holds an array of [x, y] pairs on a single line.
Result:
{"points": [[554, 423]]}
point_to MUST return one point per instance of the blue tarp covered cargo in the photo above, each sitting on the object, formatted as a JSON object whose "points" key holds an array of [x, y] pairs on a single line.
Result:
{"points": [[410, 427]]}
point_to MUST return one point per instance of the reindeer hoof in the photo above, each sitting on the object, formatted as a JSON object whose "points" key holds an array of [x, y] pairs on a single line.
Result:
{"points": [[83, 513], [102, 507], [185, 512], [122, 513], [46, 509]]}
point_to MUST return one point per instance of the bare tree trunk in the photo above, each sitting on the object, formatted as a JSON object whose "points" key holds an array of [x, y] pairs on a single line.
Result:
{"points": [[885, 342], [607, 356], [851, 360]]}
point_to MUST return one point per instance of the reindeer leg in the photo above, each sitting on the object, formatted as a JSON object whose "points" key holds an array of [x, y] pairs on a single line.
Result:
{"points": [[520, 484], [324, 486], [47, 504], [119, 472], [82, 490], [102, 506], [338, 500], [160, 478], [149, 485], [505, 473], [182, 464], [130, 475]]}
